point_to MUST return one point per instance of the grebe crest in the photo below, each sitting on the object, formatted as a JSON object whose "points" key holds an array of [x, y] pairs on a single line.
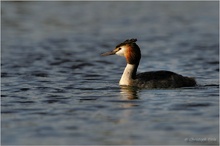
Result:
{"points": [[156, 79]]}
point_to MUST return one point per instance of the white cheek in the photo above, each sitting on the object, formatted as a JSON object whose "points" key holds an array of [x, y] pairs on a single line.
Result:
{"points": [[121, 52]]}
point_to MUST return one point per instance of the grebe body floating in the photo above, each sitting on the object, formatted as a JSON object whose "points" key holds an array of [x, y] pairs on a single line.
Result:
{"points": [[156, 79]]}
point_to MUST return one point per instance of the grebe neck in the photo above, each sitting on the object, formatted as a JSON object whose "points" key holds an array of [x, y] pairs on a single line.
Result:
{"points": [[129, 74]]}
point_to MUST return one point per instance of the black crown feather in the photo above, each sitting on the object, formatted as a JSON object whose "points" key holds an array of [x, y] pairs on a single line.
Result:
{"points": [[131, 41]]}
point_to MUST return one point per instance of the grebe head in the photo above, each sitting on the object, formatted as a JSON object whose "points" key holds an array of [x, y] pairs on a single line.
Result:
{"points": [[129, 49]]}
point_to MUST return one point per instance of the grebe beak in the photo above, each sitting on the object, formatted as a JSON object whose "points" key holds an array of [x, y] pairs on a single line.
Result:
{"points": [[109, 53]]}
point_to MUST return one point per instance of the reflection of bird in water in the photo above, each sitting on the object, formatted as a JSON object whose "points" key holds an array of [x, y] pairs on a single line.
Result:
{"points": [[156, 79], [129, 93]]}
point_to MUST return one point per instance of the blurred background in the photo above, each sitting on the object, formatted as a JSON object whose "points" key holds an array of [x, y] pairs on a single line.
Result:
{"points": [[56, 89]]}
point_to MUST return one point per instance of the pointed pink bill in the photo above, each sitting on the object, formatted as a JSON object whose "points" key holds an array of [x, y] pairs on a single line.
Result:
{"points": [[108, 53]]}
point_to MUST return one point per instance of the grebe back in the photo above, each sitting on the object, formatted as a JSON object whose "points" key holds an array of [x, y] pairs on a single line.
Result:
{"points": [[155, 79]]}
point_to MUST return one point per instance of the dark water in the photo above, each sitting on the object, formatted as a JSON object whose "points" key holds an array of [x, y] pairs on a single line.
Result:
{"points": [[56, 89]]}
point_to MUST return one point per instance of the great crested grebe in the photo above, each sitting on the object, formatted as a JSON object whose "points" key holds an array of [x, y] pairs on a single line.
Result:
{"points": [[155, 79]]}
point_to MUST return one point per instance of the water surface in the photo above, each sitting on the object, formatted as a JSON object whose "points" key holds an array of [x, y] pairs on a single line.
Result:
{"points": [[57, 89]]}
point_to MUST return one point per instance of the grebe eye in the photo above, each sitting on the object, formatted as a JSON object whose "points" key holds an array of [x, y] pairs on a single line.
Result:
{"points": [[119, 48]]}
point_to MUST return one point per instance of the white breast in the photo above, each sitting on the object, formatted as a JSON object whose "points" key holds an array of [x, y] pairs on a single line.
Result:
{"points": [[126, 77]]}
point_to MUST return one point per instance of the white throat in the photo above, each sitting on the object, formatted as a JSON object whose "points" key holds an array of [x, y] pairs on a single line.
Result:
{"points": [[129, 71]]}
